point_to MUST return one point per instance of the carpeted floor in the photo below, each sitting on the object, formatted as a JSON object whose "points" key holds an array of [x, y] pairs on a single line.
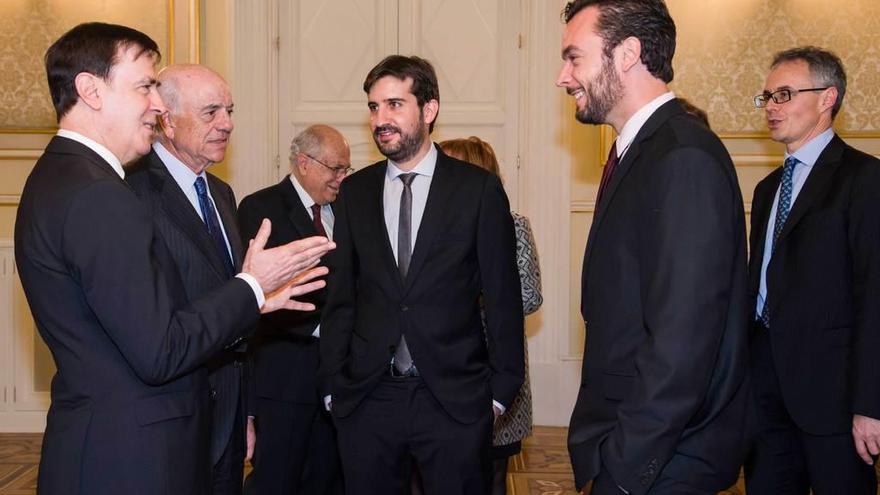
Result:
{"points": [[541, 469]]}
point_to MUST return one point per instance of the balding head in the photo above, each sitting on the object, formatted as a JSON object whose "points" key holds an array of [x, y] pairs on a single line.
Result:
{"points": [[319, 159], [197, 126]]}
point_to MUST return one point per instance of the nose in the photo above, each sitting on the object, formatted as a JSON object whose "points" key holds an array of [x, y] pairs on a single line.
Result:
{"points": [[225, 121], [156, 104], [564, 75]]}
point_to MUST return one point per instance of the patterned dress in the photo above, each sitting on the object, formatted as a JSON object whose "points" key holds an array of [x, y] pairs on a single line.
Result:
{"points": [[516, 423]]}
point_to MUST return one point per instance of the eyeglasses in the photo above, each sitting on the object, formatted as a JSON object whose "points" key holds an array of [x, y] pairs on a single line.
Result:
{"points": [[342, 170], [781, 95]]}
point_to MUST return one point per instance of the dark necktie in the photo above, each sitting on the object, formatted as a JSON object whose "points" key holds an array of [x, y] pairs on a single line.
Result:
{"points": [[782, 210], [213, 224], [316, 219], [403, 360], [607, 171]]}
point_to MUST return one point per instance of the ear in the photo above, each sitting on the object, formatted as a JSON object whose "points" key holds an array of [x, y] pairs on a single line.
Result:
{"points": [[300, 162], [166, 124], [829, 97], [628, 53], [89, 88], [430, 110]]}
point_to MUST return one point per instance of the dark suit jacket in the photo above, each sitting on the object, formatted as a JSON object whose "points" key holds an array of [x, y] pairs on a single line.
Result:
{"points": [[130, 397], [664, 387], [823, 287], [465, 247], [201, 268], [285, 358]]}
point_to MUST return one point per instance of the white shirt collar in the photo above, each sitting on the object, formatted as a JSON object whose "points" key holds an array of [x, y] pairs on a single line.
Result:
{"points": [[98, 148], [638, 119], [183, 175], [304, 196], [425, 167]]}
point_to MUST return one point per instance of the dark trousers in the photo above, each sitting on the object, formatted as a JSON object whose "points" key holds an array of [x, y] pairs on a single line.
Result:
{"points": [[401, 422], [788, 461], [295, 451], [604, 484], [228, 472]]}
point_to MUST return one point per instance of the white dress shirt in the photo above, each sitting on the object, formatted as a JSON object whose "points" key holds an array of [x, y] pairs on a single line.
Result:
{"points": [[98, 148], [420, 186], [637, 121]]}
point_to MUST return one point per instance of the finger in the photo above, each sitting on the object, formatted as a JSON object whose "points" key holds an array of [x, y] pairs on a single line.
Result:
{"points": [[295, 305], [259, 241], [873, 446], [863, 451], [298, 290], [310, 274]]}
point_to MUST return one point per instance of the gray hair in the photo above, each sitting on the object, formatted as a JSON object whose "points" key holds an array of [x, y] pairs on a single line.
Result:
{"points": [[826, 69]]}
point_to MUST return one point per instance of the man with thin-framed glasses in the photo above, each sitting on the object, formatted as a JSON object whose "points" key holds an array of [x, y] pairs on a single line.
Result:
{"points": [[814, 277], [292, 428]]}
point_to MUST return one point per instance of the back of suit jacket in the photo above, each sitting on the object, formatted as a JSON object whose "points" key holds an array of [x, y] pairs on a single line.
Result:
{"points": [[129, 396], [663, 386], [285, 361], [201, 269], [822, 284], [465, 248]]}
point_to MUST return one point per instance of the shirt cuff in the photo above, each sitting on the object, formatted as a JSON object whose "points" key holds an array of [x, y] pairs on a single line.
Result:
{"points": [[499, 406], [255, 286], [327, 400], [317, 332]]}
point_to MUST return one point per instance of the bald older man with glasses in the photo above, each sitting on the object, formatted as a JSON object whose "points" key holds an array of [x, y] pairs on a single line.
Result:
{"points": [[814, 280], [296, 443]]}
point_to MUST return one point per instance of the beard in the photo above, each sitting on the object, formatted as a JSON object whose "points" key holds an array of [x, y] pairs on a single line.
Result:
{"points": [[407, 146], [602, 94]]}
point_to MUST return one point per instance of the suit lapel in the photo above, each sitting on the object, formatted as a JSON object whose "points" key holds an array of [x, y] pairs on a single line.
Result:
{"points": [[181, 212], [762, 202], [296, 211], [815, 186], [658, 118], [226, 210], [442, 186]]}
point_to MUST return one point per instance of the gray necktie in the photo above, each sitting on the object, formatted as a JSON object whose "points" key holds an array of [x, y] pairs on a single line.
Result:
{"points": [[403, 360]]}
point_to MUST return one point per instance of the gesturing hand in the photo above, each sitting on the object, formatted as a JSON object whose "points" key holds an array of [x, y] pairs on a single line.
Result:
{"points": [[281, 298], [276, 267], [866, 434]]}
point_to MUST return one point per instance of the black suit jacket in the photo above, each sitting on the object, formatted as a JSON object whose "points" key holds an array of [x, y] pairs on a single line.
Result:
{"points": [[664, 382], [285, 362], [465, 248], [130, 397], [823, 286], [201, 269]]}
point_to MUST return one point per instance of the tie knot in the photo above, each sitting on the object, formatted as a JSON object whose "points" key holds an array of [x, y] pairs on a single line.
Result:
{"points": [[316, 210], [790, 162], [200, 185], [407, 178]]}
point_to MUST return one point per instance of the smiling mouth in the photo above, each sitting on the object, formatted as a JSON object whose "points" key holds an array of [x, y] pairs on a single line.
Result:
{"points": [[577, 93]]}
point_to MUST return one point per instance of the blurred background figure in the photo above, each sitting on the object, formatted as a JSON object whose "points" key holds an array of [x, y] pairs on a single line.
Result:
{"points": [[516, 423]]}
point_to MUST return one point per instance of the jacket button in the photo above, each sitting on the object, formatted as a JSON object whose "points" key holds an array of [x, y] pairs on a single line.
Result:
{"points": [[213, 394], [404, 308]]}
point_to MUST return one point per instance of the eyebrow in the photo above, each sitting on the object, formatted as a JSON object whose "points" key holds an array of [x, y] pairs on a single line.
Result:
{"points": [[568, 51], [216, 106]]}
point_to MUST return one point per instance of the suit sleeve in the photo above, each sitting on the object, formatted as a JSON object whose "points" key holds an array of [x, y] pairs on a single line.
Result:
{"points": [[689, 239], [502, 298], [338, 317], [284, 322], [864, 239], [119, 265]]}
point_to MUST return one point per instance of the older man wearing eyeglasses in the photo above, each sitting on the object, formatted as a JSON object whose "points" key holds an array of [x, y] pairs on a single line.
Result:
{"points": [[292, 428], [814, 283]]}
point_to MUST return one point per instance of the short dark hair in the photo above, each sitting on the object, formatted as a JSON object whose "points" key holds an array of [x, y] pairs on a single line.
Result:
{"points": [[91, 47], [825, 68], [424, 79], [647, 20]]}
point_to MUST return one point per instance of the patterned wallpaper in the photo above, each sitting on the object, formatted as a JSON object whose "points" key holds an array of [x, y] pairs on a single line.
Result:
{"points": [[28, 27], [725, 48]]}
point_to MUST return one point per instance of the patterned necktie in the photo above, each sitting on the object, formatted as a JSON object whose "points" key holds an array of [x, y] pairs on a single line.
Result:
{"points": [[213, 224], [316, 220], [607, 171], [403, 360], [782, 210]]}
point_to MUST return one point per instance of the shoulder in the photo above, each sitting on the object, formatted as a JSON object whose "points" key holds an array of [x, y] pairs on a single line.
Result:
{"points": [[268, 197]]}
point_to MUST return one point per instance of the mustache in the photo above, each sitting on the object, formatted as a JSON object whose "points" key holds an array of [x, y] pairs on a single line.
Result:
{"points": [[385, 128]]}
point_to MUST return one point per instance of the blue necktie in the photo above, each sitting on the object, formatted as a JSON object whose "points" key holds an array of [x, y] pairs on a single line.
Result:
{"points": [[213, 224], [782, 210]]}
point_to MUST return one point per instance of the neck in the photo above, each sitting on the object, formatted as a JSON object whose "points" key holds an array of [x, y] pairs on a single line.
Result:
{"points": [[636, 95], [821, 126], [197, 168], [89, 127]]}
